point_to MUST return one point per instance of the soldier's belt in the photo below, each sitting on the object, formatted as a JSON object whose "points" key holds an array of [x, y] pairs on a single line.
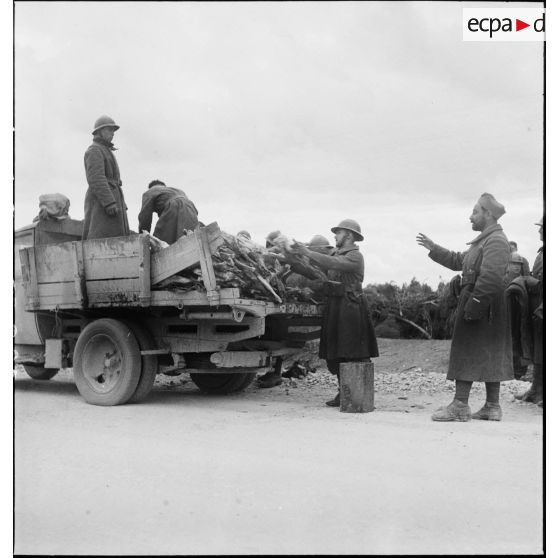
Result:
{"points": [[337, 288], [334, 288]]}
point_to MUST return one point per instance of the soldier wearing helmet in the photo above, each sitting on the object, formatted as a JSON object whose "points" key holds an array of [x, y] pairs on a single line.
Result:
{"points": [[105, 209], [347, 331]]}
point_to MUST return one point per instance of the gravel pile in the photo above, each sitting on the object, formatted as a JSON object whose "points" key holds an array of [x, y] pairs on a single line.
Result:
{"points": [[413, 381]]}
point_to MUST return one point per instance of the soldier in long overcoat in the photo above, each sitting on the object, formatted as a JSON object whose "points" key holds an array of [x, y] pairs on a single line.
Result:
{"points": [[176, 212], [535, 286], [481, 348], [105, 209], [347, 333]]}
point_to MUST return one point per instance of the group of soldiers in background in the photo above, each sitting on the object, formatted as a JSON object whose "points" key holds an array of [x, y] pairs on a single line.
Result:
{"points": [[525, 294], [497, 329]]}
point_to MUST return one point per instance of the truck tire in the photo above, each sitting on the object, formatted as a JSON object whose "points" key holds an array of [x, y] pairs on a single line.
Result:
{"points": [[149, 363], [107, 363], [223, 383], [39, 372]]}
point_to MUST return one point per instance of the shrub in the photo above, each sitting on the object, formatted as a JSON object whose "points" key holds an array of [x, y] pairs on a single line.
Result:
{"points": [[414, 309]]}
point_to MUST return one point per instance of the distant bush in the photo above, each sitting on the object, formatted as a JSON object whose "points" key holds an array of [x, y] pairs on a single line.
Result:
{"points": [[413, 310]]}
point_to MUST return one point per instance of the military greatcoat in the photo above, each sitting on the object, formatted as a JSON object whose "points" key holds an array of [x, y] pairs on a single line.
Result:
{"points": [[176, 213], [105, 189], [538, 323], [347, 329], [481, 348]]}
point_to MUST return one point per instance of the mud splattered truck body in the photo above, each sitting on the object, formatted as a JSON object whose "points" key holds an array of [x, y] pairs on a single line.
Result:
{"points": [[93, 305]]}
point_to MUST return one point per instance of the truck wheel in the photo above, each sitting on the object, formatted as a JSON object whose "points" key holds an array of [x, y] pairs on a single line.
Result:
{"points": [[223, 383], [39, 372], [107, 363], [149, 363]]}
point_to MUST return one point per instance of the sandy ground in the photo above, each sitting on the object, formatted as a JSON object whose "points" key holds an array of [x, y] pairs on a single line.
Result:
{"points": [[275, 471]]}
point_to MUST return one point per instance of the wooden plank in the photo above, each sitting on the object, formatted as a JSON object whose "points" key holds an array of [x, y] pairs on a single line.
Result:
{"points": [[53, 295], [356, 386], [192, 298], [206, 265], [183, 254], [30, 273], [111, 258], [55, 262], [145, 271], [114, 292], [117, 267], [79, 275]]}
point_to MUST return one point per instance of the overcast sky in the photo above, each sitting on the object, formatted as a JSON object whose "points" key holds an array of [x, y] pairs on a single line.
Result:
{"points": [[289, 116]]}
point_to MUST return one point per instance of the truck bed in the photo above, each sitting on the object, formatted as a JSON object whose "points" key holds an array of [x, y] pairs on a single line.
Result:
{"points": [[121, 272]]}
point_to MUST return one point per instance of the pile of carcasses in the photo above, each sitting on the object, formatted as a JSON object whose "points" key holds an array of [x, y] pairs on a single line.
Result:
{"points": [[259, 273]]}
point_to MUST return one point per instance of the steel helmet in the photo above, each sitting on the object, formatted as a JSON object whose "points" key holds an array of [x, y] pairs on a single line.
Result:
{"points": [[103, 122], [272, 236], [350, 225], [319, 241]]}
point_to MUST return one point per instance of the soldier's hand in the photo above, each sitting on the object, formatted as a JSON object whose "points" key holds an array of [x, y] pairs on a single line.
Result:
{"points": [[111, 210], [299, 248], [423, 240]]}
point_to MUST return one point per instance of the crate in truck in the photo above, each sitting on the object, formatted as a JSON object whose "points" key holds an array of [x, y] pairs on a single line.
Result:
{"points": [[114, 323]]}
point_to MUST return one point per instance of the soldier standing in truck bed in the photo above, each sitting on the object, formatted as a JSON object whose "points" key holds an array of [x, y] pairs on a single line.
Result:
{"points": [[176, 212], [105, 209]]}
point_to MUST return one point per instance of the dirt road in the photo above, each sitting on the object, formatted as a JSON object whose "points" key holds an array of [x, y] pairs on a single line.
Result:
{"points": [[272, 471]]}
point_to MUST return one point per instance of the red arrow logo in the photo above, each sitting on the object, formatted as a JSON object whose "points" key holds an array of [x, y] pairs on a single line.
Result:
{"points": [[519, 25]]}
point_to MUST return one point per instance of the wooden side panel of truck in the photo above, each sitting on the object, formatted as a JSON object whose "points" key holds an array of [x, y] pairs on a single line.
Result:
{"points": [[102, 313]]}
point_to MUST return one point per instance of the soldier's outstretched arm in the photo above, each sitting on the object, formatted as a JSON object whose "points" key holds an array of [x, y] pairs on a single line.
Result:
{"points": [[423, 240], [351, 261], [447, 258]]}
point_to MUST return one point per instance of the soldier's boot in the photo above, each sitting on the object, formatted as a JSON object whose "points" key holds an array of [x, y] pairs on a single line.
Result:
{"points": [[490, 411], [526, 396], [535, 393], [335, 402], [538, 384], [456, 411]]}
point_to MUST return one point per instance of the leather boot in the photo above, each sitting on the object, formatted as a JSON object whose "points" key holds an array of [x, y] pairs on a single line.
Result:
{"points": [[535, 393], [456, 411], [526, 396], [538, 384], [335, 402], [490, 411]]}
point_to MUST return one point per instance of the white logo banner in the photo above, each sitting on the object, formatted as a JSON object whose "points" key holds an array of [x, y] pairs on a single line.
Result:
{"points": [[503, 24]]}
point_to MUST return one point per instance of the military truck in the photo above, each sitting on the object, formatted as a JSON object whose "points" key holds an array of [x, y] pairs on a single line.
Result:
{"points": [[94, 306]]}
